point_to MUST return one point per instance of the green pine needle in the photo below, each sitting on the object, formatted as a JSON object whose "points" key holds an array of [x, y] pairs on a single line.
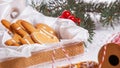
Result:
{"points": [[109, 12]]}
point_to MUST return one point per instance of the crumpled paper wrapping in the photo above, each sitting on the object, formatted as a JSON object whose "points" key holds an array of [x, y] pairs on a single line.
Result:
{"points": [[67, 30], [7, 8]]}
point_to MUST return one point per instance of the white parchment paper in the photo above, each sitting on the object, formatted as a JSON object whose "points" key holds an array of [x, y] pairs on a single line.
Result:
{"points": [[67, 31]]}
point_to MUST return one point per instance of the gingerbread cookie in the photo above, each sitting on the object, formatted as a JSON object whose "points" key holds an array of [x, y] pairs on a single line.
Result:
{"points": [[25, 33], [109, 56], [16, 37], [22, 33], [12, 42], [39, 36], [19, 23], [45, 28], [6, 24]]}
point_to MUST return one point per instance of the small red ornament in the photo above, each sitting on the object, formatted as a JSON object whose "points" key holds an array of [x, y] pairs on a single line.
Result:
{"points": [[71, 17], [78, 21], [66, 13]]}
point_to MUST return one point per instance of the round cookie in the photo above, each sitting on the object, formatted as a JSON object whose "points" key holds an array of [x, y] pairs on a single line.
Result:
{"points": [[109, 56]]}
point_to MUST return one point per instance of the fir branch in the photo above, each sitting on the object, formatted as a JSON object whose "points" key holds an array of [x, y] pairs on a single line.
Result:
{"points": [[108, 12], [89, 25]]}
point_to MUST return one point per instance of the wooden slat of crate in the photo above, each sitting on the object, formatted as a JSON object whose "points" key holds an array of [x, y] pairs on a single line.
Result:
{"points": [[44, 56]]}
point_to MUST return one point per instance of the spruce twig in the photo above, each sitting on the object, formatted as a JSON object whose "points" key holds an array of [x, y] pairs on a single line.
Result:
{"points": [[109, 12]]}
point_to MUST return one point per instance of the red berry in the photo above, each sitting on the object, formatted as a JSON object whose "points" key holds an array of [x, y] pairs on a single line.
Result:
{"points": [[78, 21], [71, 17], [66, 13]]}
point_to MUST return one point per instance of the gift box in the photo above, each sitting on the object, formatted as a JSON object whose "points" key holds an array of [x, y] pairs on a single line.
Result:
{"points": [[71, 36]]}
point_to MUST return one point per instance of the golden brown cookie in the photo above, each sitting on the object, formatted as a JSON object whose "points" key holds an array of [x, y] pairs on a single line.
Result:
{"points": [[12, 42], [28, 27], [18, 29], [42, 38], [109, 56], [39, 36], [15, 36], [45, 28], [22, 33], [19, 23], [6, 24]]}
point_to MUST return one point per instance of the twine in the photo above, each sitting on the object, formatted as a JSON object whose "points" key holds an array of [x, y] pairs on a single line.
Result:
{"points": [[115, 38], [103, 57], [53, 58], [66, 55]]}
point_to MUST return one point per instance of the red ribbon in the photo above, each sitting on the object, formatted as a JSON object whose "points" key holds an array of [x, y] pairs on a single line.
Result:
{"points": [[66, 55]]}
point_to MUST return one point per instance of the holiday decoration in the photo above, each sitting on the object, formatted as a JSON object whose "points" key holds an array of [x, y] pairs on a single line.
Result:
{"points": [[109, 56], [109, 13], [67, 15]]}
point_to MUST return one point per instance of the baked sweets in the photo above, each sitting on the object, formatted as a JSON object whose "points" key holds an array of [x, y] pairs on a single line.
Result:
{"points": [[40, 35], [25, 33], [6, 24], [109, 56], [14, 41], [45, 28], [26, 37], [19, 23], [86, 64], [15, 37]]}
